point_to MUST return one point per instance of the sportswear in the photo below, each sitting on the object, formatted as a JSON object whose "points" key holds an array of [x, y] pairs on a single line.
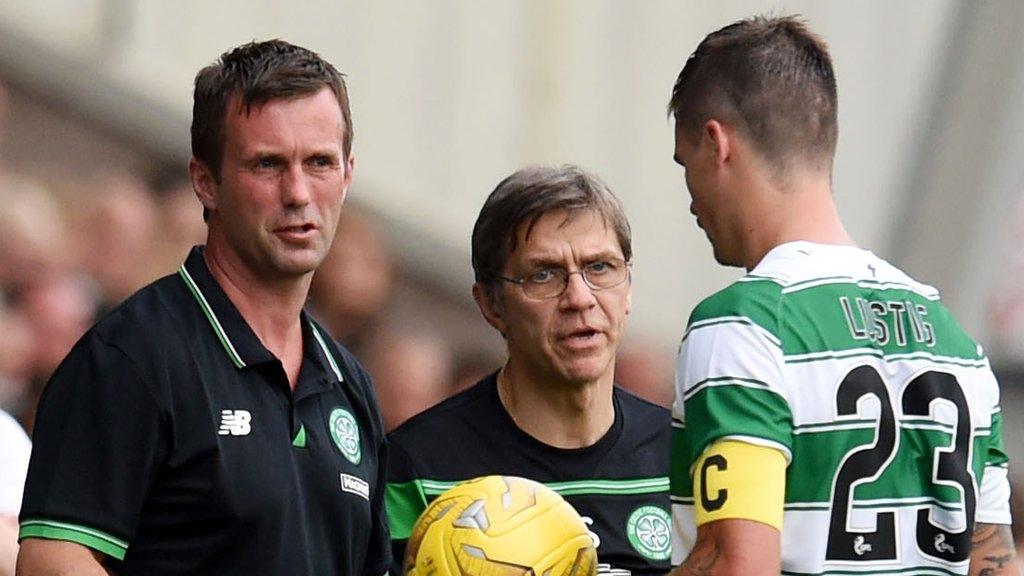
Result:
{"points": [[887, 412], [619, 485], [170, 440]]}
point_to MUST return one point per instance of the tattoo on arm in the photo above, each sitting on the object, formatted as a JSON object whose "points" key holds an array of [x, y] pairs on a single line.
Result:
{"points": [[992, 551], [702, 559]]}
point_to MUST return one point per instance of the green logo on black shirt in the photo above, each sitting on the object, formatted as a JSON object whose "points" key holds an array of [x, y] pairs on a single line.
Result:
{"points": [[649, 531], [345, 433]]}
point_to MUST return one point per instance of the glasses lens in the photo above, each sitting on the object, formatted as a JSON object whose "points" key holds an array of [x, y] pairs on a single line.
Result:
{"points": [[605, 274], [549, 288]]}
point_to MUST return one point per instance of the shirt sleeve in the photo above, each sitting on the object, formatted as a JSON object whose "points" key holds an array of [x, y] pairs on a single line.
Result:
{"points": [[729, 384], [994, 492], [99, 439]]}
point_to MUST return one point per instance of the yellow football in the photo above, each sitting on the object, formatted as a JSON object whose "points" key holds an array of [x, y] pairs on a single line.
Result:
{"points": [[500, 526]]}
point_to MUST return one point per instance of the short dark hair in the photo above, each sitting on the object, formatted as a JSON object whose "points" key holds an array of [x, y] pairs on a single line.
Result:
{"points": [[772, 79], [258, 72], [523, 198]]}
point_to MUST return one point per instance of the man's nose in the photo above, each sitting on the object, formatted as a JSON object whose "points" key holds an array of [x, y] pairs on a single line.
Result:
{"points": [[577, 295], [295, 187]]}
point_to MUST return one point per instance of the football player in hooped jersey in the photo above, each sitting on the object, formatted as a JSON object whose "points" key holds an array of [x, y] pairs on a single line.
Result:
{"points": [[551, 254], [830, 415]]}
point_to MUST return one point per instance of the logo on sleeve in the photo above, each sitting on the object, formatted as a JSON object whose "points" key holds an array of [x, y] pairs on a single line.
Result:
{"points": [[235, 423], [345, 433], [649, 531]]}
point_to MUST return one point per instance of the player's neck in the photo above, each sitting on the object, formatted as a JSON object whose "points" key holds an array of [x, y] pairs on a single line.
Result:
{"points": [[563, 415], [803, 212], [272, 310]]}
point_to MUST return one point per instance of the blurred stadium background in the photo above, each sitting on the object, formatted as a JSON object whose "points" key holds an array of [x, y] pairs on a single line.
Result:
{"points": [[449, 97]]}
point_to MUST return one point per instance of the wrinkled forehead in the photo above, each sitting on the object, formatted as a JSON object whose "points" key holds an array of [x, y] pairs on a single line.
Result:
{"points": [[585, 229]]}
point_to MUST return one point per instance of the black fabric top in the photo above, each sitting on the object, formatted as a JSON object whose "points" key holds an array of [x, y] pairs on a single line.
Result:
{"points": [[170, 440], [619, 484]]}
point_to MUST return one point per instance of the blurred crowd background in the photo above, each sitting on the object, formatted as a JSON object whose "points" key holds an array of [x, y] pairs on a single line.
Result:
{"points": [[448, 98], [72, 251]]}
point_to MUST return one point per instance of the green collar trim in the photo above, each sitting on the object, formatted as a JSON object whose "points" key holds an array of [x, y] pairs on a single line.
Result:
{"points": [[327, 352], [236, 359]]}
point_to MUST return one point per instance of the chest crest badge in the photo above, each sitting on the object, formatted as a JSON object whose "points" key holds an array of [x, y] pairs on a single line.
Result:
{"points": [[345, 433]]}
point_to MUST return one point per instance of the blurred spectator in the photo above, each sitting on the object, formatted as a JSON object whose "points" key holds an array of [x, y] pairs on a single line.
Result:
{"points": [[117, 235], [60, 308], [354, 283], [33, 237], [16, 346], [644, 371], [14, 453], [410, 372], [181, 217], [471, 367]]}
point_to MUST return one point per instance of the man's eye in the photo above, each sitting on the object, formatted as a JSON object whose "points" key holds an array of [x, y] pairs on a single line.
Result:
{"points": [[600, 267], [265, 163], [542, 276], [322, 162]]}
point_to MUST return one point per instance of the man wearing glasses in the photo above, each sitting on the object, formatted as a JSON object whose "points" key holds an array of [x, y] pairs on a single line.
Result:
{"points": [[551, 255]]}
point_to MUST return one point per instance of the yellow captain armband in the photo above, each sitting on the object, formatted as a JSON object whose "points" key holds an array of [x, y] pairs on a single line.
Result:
{"points": [[735, 479]]}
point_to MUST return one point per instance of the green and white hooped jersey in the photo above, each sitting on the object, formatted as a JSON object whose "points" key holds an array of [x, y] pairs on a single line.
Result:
{"points": [[887, 412]]}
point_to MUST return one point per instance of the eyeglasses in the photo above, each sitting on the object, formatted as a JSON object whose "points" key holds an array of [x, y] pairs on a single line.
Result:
{"points": [[552, 282]]}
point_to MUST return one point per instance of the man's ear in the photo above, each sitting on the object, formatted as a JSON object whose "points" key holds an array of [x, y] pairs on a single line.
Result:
{"points": [[493, 311], [719, 137], [203, 182]]}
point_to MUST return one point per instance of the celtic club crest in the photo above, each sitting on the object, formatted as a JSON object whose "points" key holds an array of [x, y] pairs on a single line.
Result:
{"points": [[650, 532], [345, 433]]}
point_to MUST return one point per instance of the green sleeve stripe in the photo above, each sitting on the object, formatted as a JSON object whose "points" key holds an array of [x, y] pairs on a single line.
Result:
{"points": [[726, 381], [734, 410], [996, 455], [90, 537], [574, 487], [405, 502]]}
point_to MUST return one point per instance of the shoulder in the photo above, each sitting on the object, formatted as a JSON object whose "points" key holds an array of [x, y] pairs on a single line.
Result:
{"points": [[751, 299], [447, 419], [635, 405], [150, 318], [644, 421]]}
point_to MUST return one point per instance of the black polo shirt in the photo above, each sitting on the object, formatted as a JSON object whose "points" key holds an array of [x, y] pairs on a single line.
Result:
{"points": [[170, 440]]}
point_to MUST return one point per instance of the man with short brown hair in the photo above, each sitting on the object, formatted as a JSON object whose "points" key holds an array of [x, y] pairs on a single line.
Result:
{"points": [[831, 417], [208, 425]]}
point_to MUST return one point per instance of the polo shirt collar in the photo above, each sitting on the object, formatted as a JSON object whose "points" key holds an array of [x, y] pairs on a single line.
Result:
{"points": [[240, 343]]}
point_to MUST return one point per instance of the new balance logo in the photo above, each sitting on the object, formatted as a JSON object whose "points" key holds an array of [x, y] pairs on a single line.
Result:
{"points": [[235, 423], [356, 486]]}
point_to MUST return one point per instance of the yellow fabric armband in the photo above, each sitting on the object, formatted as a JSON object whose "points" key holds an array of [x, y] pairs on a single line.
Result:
{"points": [[735, 479]]}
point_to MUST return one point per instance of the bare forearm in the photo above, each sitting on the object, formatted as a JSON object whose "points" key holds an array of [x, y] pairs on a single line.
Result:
{"points": [[992, 551], [39, 557], [733, 548], [701, 561]]}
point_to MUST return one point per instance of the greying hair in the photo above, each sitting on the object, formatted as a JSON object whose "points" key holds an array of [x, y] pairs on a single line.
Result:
{"points": [[523, 198]]}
